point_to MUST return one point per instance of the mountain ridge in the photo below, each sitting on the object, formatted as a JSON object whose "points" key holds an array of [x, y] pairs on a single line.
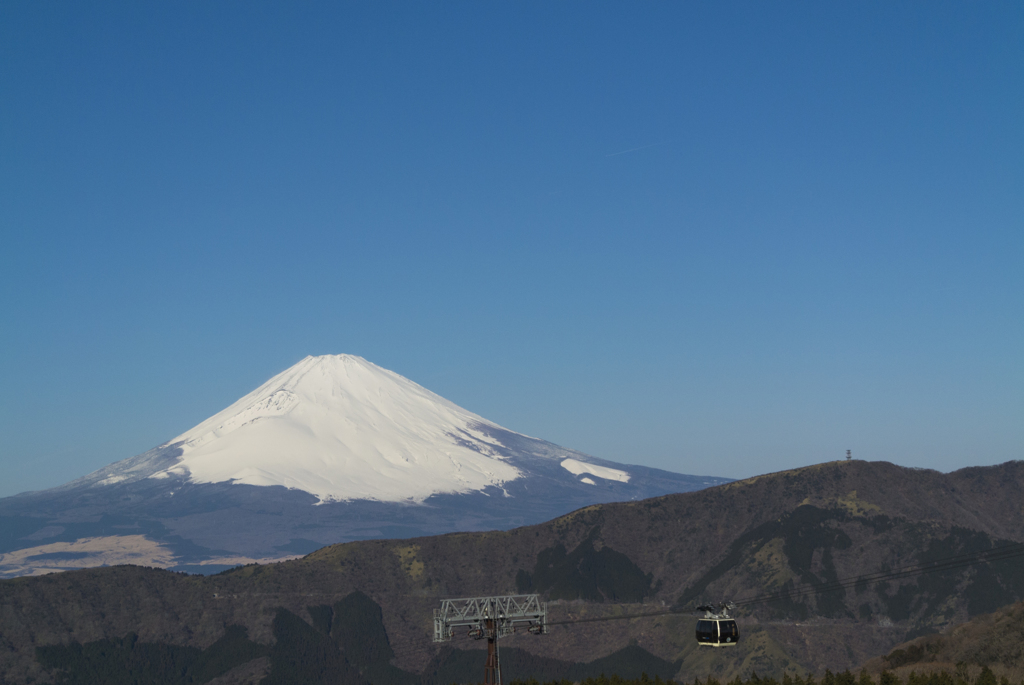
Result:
{"points": [[728, 542], [994, 641], [329, 450]]}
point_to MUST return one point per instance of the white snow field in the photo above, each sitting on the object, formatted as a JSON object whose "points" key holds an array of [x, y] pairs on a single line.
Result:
{"points": [[577, 468], [342, 428]]}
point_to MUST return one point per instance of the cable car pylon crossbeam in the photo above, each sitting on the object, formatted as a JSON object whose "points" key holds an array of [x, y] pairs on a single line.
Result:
{"points": [[508, 613], [490, 618]]}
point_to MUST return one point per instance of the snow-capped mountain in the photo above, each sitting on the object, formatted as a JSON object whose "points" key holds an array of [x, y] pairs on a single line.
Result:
{"points": [[341, 428], [334, 448]]}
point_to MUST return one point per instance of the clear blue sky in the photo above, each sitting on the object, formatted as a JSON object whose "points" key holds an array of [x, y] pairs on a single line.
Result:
{"points": [[716, 238]]}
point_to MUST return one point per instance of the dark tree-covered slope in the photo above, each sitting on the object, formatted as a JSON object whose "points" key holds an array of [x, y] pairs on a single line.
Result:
{"points": [[994, 641], [836, 520]]}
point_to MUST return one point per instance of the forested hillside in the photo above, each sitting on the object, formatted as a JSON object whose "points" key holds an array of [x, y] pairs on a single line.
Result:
{"points": [[775, 533], [994, 641]]}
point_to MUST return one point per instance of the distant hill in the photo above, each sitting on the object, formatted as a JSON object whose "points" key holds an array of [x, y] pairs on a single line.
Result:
{"points": [[772, 533], [993, 640]]}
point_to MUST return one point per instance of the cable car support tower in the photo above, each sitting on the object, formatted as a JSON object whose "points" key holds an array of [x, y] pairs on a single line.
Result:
{"points": [[491, 618]]}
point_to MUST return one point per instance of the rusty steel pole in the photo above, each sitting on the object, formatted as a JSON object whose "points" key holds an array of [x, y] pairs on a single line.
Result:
{"points": [[492, 669]]}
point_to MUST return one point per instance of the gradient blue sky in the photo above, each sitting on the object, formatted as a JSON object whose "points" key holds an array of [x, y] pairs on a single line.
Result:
{"points": [[716, 238]]}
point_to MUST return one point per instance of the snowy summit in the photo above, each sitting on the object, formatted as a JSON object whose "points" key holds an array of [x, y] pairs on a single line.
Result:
{"points": [[342, 428], [361, 441]]}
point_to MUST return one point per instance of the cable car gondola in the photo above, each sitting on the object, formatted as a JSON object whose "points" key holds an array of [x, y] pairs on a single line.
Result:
{"points": [[717, 628]]}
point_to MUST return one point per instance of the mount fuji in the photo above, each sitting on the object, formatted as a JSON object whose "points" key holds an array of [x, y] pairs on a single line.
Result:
{"points": [[333, 449]]}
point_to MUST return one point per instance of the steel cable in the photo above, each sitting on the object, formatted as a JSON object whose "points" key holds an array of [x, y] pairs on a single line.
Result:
{"points": [[947, 563]]}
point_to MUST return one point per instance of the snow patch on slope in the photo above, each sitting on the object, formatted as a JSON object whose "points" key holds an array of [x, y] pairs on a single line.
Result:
{"points": [[577, 468], [342, 428]]}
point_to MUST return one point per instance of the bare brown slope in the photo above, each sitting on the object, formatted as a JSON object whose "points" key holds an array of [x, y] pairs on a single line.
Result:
{"points": [[998, 494], [677, 537], [841, 519], [995, 640]]}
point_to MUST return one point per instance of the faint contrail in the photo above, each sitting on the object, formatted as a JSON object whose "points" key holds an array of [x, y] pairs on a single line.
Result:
{"points": [[635, 149]]}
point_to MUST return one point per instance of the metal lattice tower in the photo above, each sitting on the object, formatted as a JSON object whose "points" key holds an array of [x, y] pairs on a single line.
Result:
{"points": [[491, 618]]}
